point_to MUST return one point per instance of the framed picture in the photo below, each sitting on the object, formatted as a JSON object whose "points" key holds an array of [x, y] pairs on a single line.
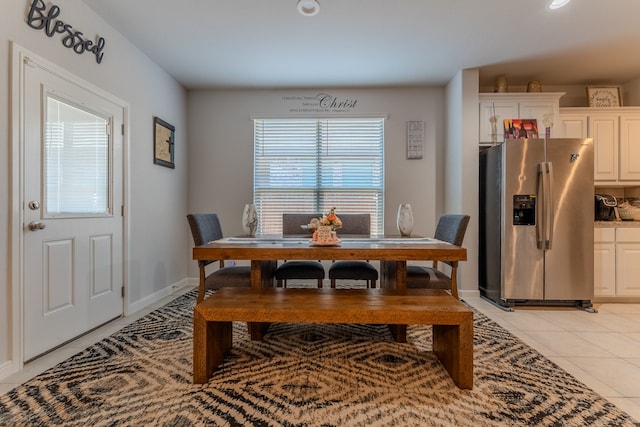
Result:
{"points": [[604, 96], [520, 128], [163, 143]]}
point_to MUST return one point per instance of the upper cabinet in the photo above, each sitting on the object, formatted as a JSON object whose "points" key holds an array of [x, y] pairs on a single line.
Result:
{"points": [[529, 105], [630, 146], [616, 138]]}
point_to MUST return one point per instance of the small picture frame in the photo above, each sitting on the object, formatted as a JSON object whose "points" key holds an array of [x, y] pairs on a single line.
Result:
{"points": [[520, 128], [163, 143], [604, 96]]}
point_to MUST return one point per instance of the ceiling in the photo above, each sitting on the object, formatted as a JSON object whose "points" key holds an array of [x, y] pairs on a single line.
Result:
{"points": [[365, 43]]}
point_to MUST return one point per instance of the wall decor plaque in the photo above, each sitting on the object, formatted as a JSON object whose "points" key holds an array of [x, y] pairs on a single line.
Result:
{"points": [[604, 96]]}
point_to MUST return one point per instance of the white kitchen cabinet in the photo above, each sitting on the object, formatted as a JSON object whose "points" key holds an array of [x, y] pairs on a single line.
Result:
{"points": [[616, 139], [603, 127], [604, 130], [572, 126], [627, 262], [616, 262], [604, 263], [627, 269], [538, 105], [630, 147]]}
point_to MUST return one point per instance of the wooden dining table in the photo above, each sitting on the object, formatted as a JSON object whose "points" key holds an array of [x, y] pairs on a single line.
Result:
{"points": [[393, 252]]}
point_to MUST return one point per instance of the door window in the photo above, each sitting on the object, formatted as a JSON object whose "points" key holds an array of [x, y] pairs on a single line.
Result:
{"points": [[76, 161]]}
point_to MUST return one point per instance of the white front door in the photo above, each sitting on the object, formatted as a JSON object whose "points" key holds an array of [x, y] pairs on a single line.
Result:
{"points": [[72, 200]]}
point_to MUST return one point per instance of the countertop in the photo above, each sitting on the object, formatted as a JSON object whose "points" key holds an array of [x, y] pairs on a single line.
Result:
{"points": [[616, 224]]}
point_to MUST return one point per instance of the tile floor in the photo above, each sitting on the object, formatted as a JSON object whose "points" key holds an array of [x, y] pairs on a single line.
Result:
{"points": [[600, 349]]}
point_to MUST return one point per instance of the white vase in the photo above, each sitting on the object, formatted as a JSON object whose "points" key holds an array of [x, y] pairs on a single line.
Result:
{"points": [[250, 219], [405, 219]]}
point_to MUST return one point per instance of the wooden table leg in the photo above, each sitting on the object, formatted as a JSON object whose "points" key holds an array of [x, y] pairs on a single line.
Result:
{"points": [[394, 276], [401, 275], [453, 345], [262, 273], [211, 341]]}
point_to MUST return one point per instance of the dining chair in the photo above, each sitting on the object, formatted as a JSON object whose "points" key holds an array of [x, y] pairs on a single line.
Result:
{"points": [[306, 269], [451, 229], [354, 225], [206, 228]]}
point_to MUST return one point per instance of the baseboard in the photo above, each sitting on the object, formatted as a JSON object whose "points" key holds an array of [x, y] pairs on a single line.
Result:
{"points": [[614, 300], [469, 294], [158, 295], [6, 369]]}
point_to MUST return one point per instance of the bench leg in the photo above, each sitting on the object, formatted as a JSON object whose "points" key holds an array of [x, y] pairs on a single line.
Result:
{"points": [[398, 332], [453, 345], [257, 330], [211, 341]]}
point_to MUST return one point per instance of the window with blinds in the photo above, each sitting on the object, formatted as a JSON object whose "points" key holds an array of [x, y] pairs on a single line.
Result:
{"points": [[312, 165]]}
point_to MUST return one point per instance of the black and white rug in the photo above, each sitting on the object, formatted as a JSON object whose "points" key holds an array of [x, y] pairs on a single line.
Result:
{"points": [[302, 375]]}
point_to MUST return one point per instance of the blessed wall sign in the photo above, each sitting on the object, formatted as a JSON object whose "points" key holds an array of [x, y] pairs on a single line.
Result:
{"points": [[40, 18]]}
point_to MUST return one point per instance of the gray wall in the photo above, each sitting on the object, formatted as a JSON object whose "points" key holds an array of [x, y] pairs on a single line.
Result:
{"points": [[157, 197], [221, 147]]}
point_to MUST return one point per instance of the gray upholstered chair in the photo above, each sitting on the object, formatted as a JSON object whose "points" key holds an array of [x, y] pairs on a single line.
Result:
{"points": [[206, 228], [451, 229], [291, 227], [354, 225]]}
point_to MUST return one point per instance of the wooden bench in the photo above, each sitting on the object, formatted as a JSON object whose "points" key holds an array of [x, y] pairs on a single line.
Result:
{"points": [[452, 321]]}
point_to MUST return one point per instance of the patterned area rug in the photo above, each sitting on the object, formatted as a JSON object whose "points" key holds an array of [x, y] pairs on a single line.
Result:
{"points": [[302, 375]]}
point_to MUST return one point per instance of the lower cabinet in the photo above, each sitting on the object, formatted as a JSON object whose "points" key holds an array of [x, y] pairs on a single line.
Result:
{"points": [[617, 262], [604, 262]]}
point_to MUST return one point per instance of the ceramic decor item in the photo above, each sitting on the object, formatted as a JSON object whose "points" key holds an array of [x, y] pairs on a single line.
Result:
{"points": [[405, 219], [249, 219], [501, 85]]}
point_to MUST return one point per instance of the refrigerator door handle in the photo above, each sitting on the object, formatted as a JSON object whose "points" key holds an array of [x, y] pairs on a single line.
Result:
{"points": [[549, 207], [541, 231]]}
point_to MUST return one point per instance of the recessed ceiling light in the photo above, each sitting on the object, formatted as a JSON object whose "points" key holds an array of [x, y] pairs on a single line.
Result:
{"points": [[557, 4], [308, 7]]}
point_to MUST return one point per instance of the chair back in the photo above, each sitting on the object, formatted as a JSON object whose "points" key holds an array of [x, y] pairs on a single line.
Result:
{"points": [[355, 224], [204, 229], [291, 223], [451, 229]]}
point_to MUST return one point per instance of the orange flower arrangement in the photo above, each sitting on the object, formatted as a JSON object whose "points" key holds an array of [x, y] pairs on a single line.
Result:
{"points": [[331, 219]]}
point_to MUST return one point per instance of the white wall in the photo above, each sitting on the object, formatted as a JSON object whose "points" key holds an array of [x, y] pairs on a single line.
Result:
{"points": [[221, 144], [157, 228], [631, 93], [461, 171]]}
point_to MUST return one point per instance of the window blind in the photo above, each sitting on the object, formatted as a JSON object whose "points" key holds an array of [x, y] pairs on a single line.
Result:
{"points": [[76, 161], [312, 165]]}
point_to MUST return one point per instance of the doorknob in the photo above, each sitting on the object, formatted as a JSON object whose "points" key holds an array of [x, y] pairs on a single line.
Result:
{"points": [[35, 226]]}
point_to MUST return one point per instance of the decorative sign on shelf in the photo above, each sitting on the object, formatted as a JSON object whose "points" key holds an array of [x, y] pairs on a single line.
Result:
{"points": [[604, 96], [415, 139], [41, 19]]}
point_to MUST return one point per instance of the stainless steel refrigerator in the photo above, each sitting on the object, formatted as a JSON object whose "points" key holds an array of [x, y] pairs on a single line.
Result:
{"points": [[536, 222]]}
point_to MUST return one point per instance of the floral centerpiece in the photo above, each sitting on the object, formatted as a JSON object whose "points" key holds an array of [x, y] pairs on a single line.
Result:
{"points": [[331, 219], [326, 227]]}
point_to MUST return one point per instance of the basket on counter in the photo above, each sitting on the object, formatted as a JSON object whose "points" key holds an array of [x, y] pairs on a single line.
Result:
{"points": [[629, 214]]}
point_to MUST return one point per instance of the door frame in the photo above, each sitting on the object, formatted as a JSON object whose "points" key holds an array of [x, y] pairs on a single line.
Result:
{"points": [[19, 59]]}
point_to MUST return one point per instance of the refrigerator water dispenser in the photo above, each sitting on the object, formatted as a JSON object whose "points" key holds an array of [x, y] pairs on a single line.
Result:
{"points": [[524, 209]]}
